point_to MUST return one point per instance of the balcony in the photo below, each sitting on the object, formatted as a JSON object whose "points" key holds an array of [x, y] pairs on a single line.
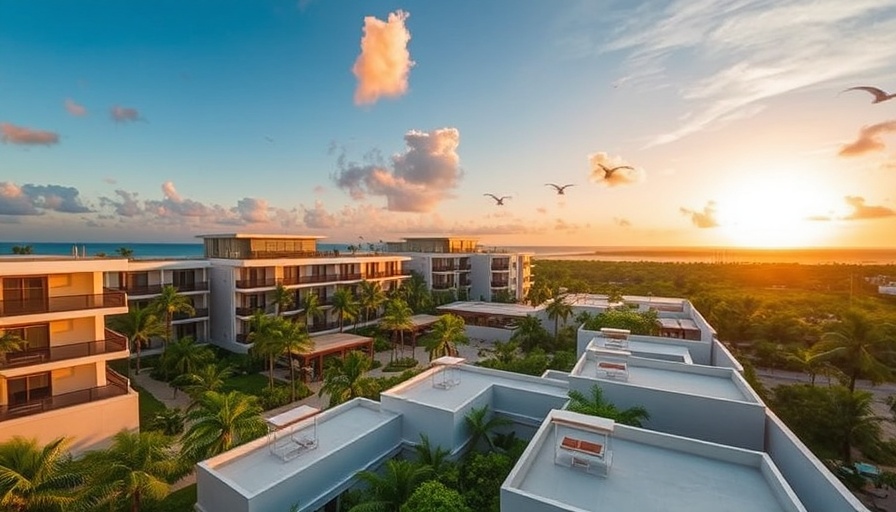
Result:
{"points": [[249, 311], [156, 289], [114, 342], [500, 267], [465, 282], [199, 313], [15, 307], [325, 326], [256, 283], [116, 385], [500, 284], [380, 275], [445, 268], [349, 277], [327, 278], [442, 286]]}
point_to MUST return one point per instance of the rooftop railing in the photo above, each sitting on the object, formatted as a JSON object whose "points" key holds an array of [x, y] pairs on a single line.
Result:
{"points": [[15, 307], [114, 342], [116, 385]]}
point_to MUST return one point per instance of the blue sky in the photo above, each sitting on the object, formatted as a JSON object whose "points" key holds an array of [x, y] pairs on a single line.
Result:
{"points": [[244, 116]]}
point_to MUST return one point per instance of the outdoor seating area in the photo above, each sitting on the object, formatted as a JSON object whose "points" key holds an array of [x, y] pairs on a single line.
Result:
{"points": [[611, 364], [290, 435], [583, 446], [448, 374], [615, 338]]}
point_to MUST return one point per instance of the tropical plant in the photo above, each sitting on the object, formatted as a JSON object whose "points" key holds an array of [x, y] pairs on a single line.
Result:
{"points": [[434, 457], [388, 491], [538, 293], [434, 496], [643, 322], [860, 347], [139, 467], [482, 425], [557, 310], [371, 297], [294, 340], [311, 308], [23, 249], [209, 377], [10, 342], [220, 422], [140, 325], [266, 336], [481, 479], [416, 293], [347, 378], [807, 361], [596, 405], [125, 252], [345, 306], [168, 303], [447, 332], [282, 298], [36, 478], [169, 421], [184, 356], [397, 319], [529, 333]]}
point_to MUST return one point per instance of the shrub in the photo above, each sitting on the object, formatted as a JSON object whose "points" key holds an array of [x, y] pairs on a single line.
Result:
{"points": [[401, 364], [381, 344]]}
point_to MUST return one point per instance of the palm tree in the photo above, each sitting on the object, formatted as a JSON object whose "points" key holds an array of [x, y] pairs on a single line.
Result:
{"points": [[23, 249], [169, 303], [266, 337], [211, 377], [538, 293], [808, 362], [37, 478], [595, 405], [345, 306], [859, 345], [294, 340], [558, 310], [346, 378], [529, 333], [312, 308], [371, 297], [169, 421], [482, 426], [859, 426], [435, 457], [125, 252], [390, 490], [447, 332], [184, 356], [416, 293], [220, 422], [10, 342], [138, 467], [140, 325], [397, 319], [282, 298]]}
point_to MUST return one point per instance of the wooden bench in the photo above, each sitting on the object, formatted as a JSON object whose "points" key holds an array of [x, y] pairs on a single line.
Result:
{"points": [[580, 445], [613, 370]]}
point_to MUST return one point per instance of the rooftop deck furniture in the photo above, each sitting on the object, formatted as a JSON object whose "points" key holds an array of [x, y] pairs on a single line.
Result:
{"points": [[448, 374], [583, 446], [615, 370], [289, 436]]}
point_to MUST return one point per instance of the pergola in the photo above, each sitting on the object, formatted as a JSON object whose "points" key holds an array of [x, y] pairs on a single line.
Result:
{"points": [[421, 324], [312, 363]]}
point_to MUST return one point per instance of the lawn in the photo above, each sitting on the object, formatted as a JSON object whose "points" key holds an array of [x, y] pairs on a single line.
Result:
{"points": [[149, 405], [181, 500], [250, 383]]}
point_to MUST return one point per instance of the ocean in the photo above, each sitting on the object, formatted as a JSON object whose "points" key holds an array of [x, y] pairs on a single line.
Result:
{"points": [[809, 256]]}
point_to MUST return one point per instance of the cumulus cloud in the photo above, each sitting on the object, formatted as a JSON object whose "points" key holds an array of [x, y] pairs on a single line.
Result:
{"points": [[55, 197], [861, 211], [252, 210], [602, 171], [418, 179], [14, 202], [318, 217], [869, 139], [622, 223], [383, 66], [124, 114], [175, 205], [74, 108], [705, 218], [319, 189], [12, 134], [126, 205]]}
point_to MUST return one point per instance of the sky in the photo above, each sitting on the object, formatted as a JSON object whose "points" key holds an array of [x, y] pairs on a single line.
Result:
{"points": [[675, 122]]}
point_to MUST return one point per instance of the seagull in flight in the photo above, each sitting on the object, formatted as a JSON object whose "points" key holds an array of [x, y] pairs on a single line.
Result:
{"points": [[560, 190], [499, 201], [608, 172], [878, 94]]}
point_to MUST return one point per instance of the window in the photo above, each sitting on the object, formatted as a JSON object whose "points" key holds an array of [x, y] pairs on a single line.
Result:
{"points": [[25, 294], [31, 387], [37, 336]]}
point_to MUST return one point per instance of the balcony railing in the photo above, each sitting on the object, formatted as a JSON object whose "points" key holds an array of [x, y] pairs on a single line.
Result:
{"points": [[156, 289], [114, 342], [442, 286], [259, 255], [445, 268], [500, 266], [349, 277], [116, 385], [244, 311], [256, 283], [379, 275], [199, 313], [14, 307]]}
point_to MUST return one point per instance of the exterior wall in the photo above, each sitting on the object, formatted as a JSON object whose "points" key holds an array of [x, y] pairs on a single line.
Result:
{"points": [[222, 305], [91, 425], [417, 417], [75, 378], [488, 333], [523, 405], [817, 488]]}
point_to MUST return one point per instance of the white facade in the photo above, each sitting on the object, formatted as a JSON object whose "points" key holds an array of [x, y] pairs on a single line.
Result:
{"points": [[58, 384]]}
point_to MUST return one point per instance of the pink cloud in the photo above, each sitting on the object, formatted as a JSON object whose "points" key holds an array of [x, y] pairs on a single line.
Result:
{"points": [[13, 134], [861, 211], [74, 108], [124, 114], [318, 217], [619, 173], [869, 139], [383, 66], [705, 218], [252, 210]]}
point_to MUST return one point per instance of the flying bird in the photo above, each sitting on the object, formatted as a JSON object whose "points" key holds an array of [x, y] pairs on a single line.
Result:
{"points": [[499, 201], [560, 190], [609, 172], [878, 94], [269, 139]]}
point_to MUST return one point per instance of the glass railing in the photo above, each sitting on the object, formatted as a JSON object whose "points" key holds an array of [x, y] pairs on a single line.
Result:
{"points": [[15, 307]]}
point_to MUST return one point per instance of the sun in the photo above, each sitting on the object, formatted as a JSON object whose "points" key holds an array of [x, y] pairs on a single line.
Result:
{"points": [[773, 211]]}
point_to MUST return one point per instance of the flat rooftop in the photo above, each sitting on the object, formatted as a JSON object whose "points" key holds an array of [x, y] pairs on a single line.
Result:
{"points": [[490, 308], [650, 350], [680, 378], [648, 476], [263, 236], [473, 381], [678, 323], [257, 469]]}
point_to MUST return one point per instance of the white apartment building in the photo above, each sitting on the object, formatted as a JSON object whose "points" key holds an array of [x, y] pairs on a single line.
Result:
{"points": [[461, 265], [144, 279], [59, 384], [245, 269]]}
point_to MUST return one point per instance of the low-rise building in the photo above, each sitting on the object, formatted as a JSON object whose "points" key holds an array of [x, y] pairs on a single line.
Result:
{"points": [[58, 383]]}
